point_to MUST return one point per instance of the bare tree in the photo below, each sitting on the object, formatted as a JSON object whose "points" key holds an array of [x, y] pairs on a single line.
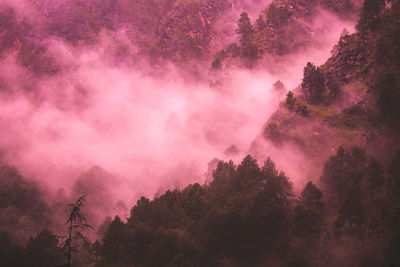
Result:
{"points": [[76, 224]]}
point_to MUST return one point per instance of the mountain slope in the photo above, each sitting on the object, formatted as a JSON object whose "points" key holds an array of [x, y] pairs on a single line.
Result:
{"points": [[356, 105]]}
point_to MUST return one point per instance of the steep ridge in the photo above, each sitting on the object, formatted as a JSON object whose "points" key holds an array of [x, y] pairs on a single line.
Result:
{"points": [[177, 31], [282, 28], [345, 101], [343, 118]]}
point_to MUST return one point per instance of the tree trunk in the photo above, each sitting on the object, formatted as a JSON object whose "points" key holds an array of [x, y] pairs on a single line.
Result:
{"points": [[70, 245]]}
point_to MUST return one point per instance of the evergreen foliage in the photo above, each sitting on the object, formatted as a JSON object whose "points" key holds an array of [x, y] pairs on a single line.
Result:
{"points": [[369, 17], [313, 83], [246, 37], [290, 100]]}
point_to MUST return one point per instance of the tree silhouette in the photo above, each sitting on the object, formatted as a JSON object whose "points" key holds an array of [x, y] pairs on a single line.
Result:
{"points": [[245, 31], [290, 100], [309, 214], [313, 83], [369, 16], [76, 224]]}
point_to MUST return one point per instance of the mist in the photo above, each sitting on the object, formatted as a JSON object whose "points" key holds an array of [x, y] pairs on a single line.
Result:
{"points": [[128, 122], [153, 127], [199, 133]]}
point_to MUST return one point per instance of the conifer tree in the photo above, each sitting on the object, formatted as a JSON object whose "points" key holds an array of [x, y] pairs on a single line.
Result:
{"points": [[290, 100], [370, 15], [313, 83], [76, 224], [245, 31]]}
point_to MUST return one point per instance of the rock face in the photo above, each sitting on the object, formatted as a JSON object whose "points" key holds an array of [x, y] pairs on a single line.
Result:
{"points": [[20, 39], [280, 29], [177, 30], [187, 30], [349, 58]]}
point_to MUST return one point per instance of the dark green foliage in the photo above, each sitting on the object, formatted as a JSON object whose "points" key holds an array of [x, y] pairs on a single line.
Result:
{"points": [[24, 212], [247, 174], [394, 177], [313, 83], [165, 249], [375, 177], [333, 86], [23, 39], [177, 30], [247, 212], [295, 259], [290, 100], [372, 54], [393, 235], [284, 27], [243, 211], [272, 133], [141, 211], [350, 59], [369, 17], [115, 249], [246, 216], [343, 175], [216, 64], [11, 254], [392, 214], [22, 208], [44, 250], [281, 30], [386, 58], [388, 98], [309, 214], [233, 50], [96, 250], [194, 205], [353, 185], [303, 110], [102, 229], [221, 183], [351, 221], [388, 41], [245, 31], [278, 14], [334, 90], [272, 206]]}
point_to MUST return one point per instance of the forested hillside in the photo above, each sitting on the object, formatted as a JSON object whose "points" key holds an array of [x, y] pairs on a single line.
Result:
{"points": [[341, 123], [284, 27], [352, 99]]}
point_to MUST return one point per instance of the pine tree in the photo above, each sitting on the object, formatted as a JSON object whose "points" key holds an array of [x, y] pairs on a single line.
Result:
{"points": [[309, 213], [290, 100], [369, 17], [313, 83], [245, 31]]}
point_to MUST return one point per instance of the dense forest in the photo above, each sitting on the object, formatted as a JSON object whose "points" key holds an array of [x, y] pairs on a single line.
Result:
{"points": [[246, 216], [342, 120]]}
